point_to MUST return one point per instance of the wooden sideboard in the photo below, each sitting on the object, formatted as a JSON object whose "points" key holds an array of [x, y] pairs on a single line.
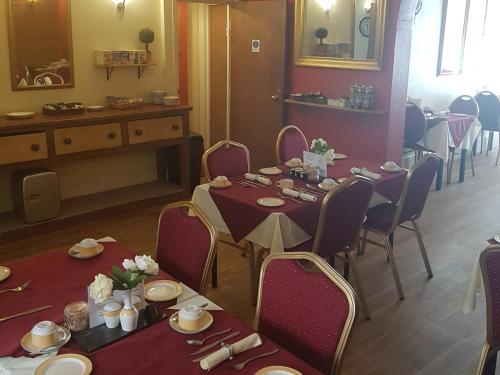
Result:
{"points": [[46, 141]]}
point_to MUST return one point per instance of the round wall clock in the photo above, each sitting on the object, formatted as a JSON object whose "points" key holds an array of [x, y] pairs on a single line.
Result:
{"points": [[364, 26]]}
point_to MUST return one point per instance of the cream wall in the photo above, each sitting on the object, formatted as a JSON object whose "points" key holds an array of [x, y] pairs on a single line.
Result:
{"points": [[95, 25]]}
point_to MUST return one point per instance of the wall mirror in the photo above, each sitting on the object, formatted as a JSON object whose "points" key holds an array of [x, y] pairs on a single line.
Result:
{"points": [[340, 33], [41, 54]]}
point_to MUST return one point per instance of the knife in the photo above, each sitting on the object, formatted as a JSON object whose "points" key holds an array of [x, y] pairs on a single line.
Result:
{"points": [[25, 313], [215, 343]]}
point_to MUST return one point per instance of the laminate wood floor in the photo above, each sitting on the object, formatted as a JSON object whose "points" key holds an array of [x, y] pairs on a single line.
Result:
{"points": [[424, 334]]}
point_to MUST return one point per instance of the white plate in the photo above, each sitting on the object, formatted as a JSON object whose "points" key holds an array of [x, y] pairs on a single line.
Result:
{"points": [[270, 171], [328, 187], [291, 164], [220, 184], [20, 114], [27, 344], [162, 290], [65, 364], [208, 319], [390, 170], [73, 252], [277, 370], [460, 114], [94, 108], [270, 202], [340, 156], [4, 273]]}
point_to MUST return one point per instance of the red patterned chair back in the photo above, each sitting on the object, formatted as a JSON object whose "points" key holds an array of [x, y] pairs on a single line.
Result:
{"points": [[291, 143], [342, 213], [490, 269], [464, 104], [296, 288], [226, 158], [416, 189], [186, 244], [489, 110], [415, 123]]}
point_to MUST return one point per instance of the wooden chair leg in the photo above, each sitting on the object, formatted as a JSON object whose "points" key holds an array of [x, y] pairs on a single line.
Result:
{"points": [[362, 243], [361, 292], [394, 268], [472, 164], [422, 249], [214, 273], [253, 271], [482, 359]]}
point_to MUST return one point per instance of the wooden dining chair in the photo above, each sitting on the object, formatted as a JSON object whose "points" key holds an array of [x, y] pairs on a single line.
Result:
{"points": [[489, 112], [186, 244], [383, 220], [296, 289], [226, 158], [291, 143], [489, 261], [415, 129]]}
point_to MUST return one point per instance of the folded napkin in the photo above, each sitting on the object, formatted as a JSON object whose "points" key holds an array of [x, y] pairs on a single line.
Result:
{"points": [[222, 354], [256, 177], [366, 173], [22, 365], [299, 194]]}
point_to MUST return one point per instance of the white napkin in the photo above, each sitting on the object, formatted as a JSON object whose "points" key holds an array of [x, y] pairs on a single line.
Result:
{"points": [[256, 177], [299, 194], [22, 365], [106, 239], [221, 355], [366, 173]]}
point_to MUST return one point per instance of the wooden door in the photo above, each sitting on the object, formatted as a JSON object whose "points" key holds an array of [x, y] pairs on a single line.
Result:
{"points": [[257, 78]]}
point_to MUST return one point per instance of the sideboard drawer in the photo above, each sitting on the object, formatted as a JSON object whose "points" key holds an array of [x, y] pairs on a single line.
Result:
{"points": [[23, 147], [155, 129], [87, 138]]}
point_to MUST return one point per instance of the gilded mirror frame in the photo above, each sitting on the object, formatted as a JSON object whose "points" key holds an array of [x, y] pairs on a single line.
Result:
{"points": [[335, 62], [13, 54]]}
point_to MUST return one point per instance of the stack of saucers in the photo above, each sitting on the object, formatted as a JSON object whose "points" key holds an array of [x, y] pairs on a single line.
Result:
{"points": [[170, 101], [157, 96]]}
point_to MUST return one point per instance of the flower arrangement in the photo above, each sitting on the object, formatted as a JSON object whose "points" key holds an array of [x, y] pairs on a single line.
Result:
{"points": [[319, 146], [136, 270]]}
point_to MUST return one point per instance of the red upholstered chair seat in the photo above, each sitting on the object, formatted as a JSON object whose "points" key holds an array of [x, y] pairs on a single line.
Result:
{"points": [[381, 217], [226, 158]]}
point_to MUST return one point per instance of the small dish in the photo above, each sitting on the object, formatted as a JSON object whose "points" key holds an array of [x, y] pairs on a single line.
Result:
{"points": [[208, 319], [277, 370], [340, 156], [270, 171], [162, 290], [327, 187], [73, 252], [293, 164], [28, 345], [220, 184], [390, 170], [95, 108], [4, 273], [74, 364], [270, 202], [20, 114]]}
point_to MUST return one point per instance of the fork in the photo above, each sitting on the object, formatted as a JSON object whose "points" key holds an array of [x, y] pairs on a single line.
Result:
{"points": [[240, 366], [17, 289]]}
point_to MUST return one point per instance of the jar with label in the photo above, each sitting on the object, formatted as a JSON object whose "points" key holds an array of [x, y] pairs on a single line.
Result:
{"points": [[76, 316]]}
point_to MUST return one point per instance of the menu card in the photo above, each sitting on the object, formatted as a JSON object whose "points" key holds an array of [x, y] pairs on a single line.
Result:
{"points": [[316, 160], [96, 310]]}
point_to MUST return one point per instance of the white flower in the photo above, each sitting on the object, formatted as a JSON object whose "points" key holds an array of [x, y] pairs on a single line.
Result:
{"points": [[146, 264], [129, 264], [101, 288], [313, 143], [329, 155]]}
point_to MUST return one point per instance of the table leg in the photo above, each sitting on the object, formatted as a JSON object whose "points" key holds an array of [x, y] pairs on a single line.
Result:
{"points": [[451, 157], [490, 141], [253, 275], [463, 158], [347, 264], [439, 175]]}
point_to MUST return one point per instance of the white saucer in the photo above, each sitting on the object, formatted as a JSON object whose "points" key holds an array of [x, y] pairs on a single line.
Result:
{"points": [[220, 185], [74, 364], [208, 319], [390, 170], [73, 252], [27, 344], [4, 273], [328, 187], [95, 108], [270, 171], [162, 290], [340, 156], [290, 164], [20, 114], [270, 202], [277, 370]]}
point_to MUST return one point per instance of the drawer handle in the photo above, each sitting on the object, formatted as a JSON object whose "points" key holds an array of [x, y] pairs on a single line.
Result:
{"points": [[111, 135], [175, 127], [67, 141], [35, 147], [138, 132]]}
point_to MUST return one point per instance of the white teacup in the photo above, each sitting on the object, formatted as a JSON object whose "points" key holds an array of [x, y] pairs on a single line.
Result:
{"points": [[87, 247], [293, 162], [45, 334], [329, 182], [190, 318], [391, 166], [112, 314], [285, 183]]}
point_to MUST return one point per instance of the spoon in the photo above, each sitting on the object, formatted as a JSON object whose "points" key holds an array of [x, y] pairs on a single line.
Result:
{"points": [[202, 341]]}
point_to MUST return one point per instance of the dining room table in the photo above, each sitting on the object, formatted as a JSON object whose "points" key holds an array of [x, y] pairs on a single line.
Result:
{"points": [[58, 279]]}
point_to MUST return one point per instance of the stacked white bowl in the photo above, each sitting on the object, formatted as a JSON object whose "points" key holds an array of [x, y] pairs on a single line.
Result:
{"points": [[157, 96], [171, 101]]}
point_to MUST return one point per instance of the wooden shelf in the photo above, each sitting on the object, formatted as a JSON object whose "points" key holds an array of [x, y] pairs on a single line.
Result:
{"points": [[332, 108], [147, 193], [110, 67]]}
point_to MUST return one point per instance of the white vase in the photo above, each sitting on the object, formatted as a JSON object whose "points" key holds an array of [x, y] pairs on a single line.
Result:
{"points": [[129, 314]]}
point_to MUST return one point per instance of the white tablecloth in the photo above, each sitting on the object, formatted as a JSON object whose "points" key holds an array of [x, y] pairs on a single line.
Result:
{"points": [[474, 287], [276, 232]]}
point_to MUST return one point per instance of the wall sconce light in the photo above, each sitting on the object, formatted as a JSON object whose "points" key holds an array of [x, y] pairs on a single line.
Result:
{"points": [[327, 6], [120, 5], [32, 2]]}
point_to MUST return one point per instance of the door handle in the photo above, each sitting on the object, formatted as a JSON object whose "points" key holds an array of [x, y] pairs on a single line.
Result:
{"points": [[276, 97]]}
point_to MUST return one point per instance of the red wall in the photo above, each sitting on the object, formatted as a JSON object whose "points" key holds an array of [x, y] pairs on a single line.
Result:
{"points": [[377, 137]]}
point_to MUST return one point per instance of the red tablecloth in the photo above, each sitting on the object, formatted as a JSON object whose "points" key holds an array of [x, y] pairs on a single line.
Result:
{"points": [[241, 213], [58, 279], [458, 127]]}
